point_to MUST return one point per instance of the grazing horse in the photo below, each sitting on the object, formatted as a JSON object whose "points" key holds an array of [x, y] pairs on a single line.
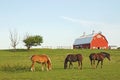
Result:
{"points": [[42, 59], [99, 57], [73, 58]]}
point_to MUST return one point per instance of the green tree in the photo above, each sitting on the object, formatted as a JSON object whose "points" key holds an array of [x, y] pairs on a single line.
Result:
{"points": [[32, 41]]}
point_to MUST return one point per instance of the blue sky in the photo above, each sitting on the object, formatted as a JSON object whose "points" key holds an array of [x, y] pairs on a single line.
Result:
{"points": [[60, 22]]}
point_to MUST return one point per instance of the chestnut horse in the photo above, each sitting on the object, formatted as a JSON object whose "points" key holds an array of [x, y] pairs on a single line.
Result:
{"points": [[42, 59], [99, 57], [73, 58]]}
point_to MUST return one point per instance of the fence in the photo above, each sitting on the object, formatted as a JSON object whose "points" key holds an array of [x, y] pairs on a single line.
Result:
{"points": [[57, 47]]}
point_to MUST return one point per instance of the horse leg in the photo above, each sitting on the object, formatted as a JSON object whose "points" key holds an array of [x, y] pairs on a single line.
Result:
{"points": [[94, 64], [70, 64], [42, 66], [32, 66], [91, 61], [101, 63], [81, 65], [47, 67], [97, 63], [78, 64]]}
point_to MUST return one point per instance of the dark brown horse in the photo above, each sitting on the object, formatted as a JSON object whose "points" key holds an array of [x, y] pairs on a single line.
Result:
{"points": [[42, 59], [73, 58], [99, 57]]}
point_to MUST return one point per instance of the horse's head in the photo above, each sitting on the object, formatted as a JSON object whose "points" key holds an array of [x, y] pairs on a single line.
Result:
{"points": [[65, 63], [65, 66], [49, 63], [92, 56], [107, 55]]}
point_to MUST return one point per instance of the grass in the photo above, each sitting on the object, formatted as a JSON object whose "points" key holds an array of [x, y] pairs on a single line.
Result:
{"points": [[16, 66]]}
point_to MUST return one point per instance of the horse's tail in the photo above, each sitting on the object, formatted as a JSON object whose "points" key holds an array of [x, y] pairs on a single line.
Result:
{"points": [[49, 64]]}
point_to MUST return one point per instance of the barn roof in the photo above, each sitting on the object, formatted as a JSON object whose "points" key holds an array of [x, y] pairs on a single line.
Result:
{"points": [[86, 39]]}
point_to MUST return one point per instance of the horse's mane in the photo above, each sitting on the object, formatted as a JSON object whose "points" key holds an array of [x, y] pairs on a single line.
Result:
{"points": [[49, 59]]}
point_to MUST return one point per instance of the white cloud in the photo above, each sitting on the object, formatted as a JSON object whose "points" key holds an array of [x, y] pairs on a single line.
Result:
{"points": [[94, 24], [82, 22], [69, 19]]}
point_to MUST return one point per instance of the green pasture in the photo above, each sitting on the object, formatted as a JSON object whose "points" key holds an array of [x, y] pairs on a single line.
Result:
{"points": [[16, 66]]}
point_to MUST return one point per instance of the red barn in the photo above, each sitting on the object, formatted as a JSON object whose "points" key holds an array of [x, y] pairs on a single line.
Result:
{"points": [[92, 41]]}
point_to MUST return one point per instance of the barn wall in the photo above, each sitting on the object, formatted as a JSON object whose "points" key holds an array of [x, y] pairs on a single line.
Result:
{"points": [[80, 46]]}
